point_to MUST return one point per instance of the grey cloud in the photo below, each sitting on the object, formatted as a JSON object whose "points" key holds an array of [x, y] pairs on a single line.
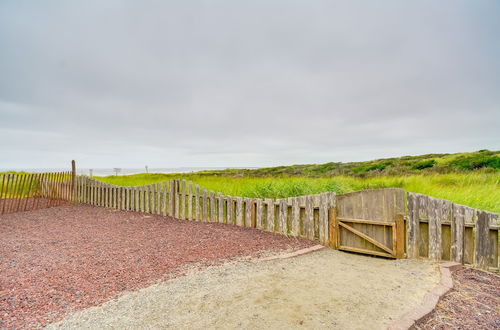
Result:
{"points": [[225, 83]]}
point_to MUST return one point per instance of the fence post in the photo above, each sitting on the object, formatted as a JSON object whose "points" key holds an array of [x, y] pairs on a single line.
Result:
{"points": [[400, 234], [73, 179], [332, 219]]}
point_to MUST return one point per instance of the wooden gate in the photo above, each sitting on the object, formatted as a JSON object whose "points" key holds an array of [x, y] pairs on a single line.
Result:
{"points": [[370, 222]]}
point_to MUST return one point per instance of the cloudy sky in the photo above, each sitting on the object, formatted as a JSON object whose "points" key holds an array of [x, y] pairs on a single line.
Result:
{"points": [[245, 83]]}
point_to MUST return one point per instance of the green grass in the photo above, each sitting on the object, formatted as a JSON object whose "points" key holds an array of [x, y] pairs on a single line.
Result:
{"points": [[478, 189]]}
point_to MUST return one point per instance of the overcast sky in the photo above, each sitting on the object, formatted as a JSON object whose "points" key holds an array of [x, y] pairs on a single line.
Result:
{"points": [[245, 83]]}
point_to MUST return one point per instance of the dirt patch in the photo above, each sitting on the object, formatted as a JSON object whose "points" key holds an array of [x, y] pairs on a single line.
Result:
{"points": [[474, 303], [326, 289], [54, 261]]}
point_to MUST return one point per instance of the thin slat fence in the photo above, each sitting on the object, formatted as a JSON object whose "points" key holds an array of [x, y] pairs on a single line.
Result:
{"points": [[30, 191]]}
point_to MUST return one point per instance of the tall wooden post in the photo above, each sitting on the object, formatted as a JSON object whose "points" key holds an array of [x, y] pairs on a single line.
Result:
{"points": [[333, 230], [399, 230], [73, 180]]}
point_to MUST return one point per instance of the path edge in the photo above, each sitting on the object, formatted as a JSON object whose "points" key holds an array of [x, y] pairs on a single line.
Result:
{"points": [[430, 299], [294, 254]]}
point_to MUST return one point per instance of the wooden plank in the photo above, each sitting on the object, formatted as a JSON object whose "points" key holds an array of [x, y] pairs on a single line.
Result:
{"points": [[6, 193], [413, 227], [323, 220], [152, 198], [248, 212], [21, 192], [204, 205], [159, 202], [171, 202], [1, 192], [309, 219], [197, 203], [316, 203], [164, 199], [91, 190], [109, 195], [148, 198], [213, 207], [229, 210], [132, 198], [123, 199], [190, 201], [177, 192], [399, 229], [113, 196], [482, 242], [367, 222], [140, 198], [220, 199], [377, 253], [366, 237], [182, 211], [457, 233], [258, 214], [333, 224], [282, 211], [438, 211], [137, 196], [126, 192], [434, 229], [270, 223], [239, 211], [295, 230]]}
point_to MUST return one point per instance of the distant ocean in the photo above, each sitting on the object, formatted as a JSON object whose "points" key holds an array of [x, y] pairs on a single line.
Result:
{"points": [[124, 171]]}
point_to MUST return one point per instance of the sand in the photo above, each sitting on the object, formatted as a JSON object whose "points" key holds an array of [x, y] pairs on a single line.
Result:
{"points": [[324, 289]]}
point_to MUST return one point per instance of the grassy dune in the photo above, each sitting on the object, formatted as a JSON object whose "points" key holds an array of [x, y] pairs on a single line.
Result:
{"points": [[479, 189]]}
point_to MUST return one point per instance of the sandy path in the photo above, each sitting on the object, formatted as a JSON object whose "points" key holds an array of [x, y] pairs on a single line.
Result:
{"points": [[325, 289]]}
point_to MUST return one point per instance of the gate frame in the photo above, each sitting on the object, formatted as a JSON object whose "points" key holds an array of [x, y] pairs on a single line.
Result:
{"points": [[398, 235]]}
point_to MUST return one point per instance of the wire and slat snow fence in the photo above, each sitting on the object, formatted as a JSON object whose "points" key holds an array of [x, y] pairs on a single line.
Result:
{"points": [[31, 191]]}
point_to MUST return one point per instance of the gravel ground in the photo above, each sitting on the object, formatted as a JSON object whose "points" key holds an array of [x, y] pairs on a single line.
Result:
{"points": [[12, 205], [58, 260], [327, 289], [474, 303]]}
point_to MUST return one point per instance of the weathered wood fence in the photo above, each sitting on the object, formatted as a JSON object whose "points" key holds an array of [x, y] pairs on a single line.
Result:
{"points": [[23, 191], [305, 216], [441, 230], [386, 222]]}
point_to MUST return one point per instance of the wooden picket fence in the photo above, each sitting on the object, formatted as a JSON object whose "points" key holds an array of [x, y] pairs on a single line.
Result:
{"points": [[31, 191]]}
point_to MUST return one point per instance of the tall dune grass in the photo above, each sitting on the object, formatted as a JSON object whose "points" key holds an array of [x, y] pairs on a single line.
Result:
{"points": [[476, 189]]}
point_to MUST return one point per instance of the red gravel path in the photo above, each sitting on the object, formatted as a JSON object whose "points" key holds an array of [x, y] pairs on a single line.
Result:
{"points": [[474, 303], [12, 205], [56, 260]]}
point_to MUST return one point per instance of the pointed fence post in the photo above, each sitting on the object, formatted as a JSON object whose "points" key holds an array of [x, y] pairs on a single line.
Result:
{"points": [[73, 180]]}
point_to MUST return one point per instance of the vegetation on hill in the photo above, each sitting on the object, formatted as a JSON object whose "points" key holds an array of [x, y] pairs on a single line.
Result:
{"points": [[466, 178], [406, 165]]}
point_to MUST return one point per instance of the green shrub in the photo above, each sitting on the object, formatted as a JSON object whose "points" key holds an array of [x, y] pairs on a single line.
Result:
{"points": [[476, 162], [423, 164]]}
